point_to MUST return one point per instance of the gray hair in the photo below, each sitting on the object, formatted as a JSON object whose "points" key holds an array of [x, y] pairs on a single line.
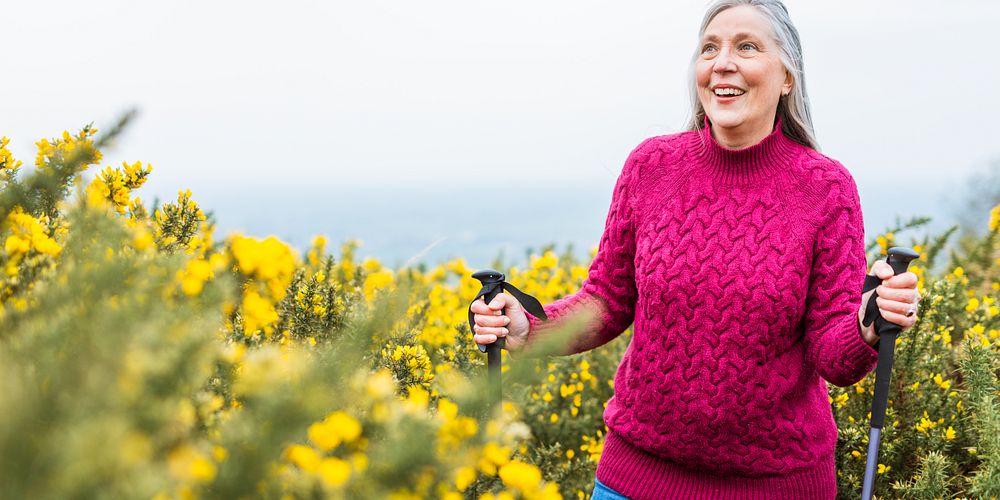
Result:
{"points": [[796, 121]]}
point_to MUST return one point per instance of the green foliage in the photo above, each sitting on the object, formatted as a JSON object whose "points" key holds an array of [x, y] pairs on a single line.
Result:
{"points": [[139, 357]]}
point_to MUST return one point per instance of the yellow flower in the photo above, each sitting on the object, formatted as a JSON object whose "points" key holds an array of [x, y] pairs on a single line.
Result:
{"points": [[194, 276], [143, 239], [949, 433], [883, 244], [973, 305], [525, 477], [455, 427], [334, 472], [79, 147], [16, 245], [268, 260], [493, 455], [944, 384], [304, 457], [380, 384], [376, 281], [882, 469], [7, 162], [336, 428], [324, 436], [464, 476], [840, 400], [258, 312], [359, 460], [924, 425], [417, 400], [27, 233], [186, 462]]}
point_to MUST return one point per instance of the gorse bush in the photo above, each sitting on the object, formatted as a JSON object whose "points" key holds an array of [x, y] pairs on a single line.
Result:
{"points": [[142, 357]]}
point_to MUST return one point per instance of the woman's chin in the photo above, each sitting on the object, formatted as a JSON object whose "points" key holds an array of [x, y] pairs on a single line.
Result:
{"points": [[726, 119]]}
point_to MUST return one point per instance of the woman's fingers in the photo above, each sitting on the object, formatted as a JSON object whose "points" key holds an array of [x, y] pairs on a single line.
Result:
{"points": [[902, 280], [491, 330], [489, 321], [907, 295], [488, 335], [495, 319], [897, 318], [893, 306], [895, 312], [882, 269], [480, 307]]}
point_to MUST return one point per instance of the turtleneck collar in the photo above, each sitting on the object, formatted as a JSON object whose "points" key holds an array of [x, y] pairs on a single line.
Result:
{"points": [[747, 165]]}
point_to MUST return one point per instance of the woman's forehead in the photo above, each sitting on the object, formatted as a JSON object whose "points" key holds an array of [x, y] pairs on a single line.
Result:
{"points": [[737, 22], [713, 36]]}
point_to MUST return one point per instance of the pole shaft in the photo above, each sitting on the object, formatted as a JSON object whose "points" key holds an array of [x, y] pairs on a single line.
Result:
{"points": [[493, 359], [874, 436], [899, 259]]}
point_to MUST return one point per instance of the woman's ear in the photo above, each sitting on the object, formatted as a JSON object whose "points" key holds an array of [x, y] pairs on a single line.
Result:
{"points": [[786, 88]]}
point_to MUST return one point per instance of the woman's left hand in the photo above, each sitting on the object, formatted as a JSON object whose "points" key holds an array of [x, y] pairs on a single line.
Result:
{"points": [[897, 300]]}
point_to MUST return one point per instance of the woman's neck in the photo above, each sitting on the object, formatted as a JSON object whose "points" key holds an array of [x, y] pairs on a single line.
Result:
{"points": [[743, 135], [754, 164]]}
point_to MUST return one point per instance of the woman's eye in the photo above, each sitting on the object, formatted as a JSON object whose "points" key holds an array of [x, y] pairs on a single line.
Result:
{"points": [[706, 48], [748, 44]]}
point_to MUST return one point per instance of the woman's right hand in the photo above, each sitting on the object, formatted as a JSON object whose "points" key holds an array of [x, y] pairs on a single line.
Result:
{"points": [[503, 317]]}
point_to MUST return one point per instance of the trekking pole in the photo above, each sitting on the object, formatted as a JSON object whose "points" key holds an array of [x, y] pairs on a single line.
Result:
{"points": [[899, 258], [493, 283]]}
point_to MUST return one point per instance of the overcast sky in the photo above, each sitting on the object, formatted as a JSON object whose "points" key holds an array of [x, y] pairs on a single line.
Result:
{"points": [[300, 99]]}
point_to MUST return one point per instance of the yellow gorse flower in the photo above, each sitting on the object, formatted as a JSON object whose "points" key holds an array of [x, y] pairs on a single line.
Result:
{"points": [[304, 457], [994, 223], [268, 260], [186, 462], [8, 165], [522, 476], [944, 384], [115, 185], [27, 233], [334, 472], [68, 147], [338, 427], [493, 456]]}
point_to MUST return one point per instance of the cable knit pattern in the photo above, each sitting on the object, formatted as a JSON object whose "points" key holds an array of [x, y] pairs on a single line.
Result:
{"points": [[741, 274]]}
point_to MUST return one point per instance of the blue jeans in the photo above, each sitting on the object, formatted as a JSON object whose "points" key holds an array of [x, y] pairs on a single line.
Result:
{"points": [[603, 492]]}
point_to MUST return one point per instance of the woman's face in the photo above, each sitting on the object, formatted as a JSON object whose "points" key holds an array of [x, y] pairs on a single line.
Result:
{"points": [[738, 51]]}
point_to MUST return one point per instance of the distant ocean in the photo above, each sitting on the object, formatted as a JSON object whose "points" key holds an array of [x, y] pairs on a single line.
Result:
{"points": [[434, 223]]}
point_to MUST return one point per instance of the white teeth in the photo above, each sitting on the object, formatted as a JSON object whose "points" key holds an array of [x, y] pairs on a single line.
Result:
{"points": [[729, 91]]}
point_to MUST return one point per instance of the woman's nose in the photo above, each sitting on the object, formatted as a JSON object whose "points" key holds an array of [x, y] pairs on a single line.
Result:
{"points": [[724, 62]]}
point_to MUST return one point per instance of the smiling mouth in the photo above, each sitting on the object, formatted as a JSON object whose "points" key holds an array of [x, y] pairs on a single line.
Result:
{"points": [[728, 93]]}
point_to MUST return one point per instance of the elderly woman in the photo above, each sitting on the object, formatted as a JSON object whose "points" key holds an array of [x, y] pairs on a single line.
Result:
{"points": [[736, 250]]}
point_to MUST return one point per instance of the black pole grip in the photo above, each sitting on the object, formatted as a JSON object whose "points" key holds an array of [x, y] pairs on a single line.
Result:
{"points": [[490, 277], [899, 259]]}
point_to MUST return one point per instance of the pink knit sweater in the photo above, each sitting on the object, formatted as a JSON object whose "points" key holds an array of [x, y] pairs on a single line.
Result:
{"points": [[741, 273]]}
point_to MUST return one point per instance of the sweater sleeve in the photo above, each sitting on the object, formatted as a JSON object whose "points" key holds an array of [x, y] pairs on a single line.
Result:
{"points": [[609, 291], [834, 345]]}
